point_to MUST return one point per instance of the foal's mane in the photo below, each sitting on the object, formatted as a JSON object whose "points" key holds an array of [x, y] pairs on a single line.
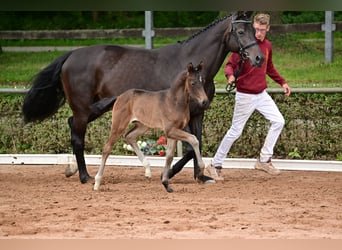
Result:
{"points": [[180, 79], [212, 24]]}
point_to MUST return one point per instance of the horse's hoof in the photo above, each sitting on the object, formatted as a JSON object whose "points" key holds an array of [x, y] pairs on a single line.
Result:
{"points": [[86, 179], [167, 186], [205, 180]]}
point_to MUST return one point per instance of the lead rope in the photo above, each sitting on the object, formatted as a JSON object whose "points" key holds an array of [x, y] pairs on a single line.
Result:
{"points": [[231, 86]]}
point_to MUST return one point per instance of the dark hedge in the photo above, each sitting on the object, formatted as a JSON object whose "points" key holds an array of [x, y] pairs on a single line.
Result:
{"points": [[312, 131]]}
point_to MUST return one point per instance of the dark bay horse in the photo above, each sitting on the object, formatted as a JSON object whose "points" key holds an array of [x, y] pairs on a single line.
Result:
{"points": [[91, 78], [167, 110]]}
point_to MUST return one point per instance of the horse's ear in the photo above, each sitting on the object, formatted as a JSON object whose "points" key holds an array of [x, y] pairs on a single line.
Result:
{"points": [[235, 15], [190, 67], [244, 15], [200, 66], [249, 14]]}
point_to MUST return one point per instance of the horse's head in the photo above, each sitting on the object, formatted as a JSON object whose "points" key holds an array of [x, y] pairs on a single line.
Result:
{"points": [[242, 39], [195, 85]]}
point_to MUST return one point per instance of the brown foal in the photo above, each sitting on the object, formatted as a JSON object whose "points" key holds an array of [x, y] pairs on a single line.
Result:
{"points": [[167, 110]]}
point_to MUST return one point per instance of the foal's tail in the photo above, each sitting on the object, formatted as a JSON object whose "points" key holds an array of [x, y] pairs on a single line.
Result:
{"points": [[46, 95]]}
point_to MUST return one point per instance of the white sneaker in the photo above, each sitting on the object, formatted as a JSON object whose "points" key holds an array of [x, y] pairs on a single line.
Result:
{"points": [[267, 167], [214, 172]]}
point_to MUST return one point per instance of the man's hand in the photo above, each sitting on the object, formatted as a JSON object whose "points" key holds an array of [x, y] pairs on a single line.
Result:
{"points": [[286, 89], [231, 79]]}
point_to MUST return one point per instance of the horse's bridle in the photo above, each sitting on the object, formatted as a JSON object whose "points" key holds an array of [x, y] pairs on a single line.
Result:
{"points": [[242, 51]]}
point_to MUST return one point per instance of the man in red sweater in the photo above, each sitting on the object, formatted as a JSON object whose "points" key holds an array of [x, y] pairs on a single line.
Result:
{"points": [[251, 95]]}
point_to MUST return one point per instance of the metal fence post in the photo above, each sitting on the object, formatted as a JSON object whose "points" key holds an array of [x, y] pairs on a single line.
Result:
{"points": [[148, 33], [328, 28]]}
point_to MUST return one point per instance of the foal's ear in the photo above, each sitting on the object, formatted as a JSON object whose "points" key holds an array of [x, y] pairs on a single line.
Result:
{"points": [[190, 67], [200, 66]]}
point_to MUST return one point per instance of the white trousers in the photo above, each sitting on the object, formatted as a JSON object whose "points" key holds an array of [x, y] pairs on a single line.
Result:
{"points": [[245, 104]]}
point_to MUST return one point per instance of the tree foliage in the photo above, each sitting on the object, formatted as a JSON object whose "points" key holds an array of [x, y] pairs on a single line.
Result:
{"points": [[54, 20]]}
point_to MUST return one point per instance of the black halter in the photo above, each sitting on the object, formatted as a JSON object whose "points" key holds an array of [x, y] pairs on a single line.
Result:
{"points": [[242, 51]]}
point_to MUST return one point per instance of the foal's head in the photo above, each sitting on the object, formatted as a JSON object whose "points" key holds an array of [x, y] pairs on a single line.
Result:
{"points": [[194, 84]]}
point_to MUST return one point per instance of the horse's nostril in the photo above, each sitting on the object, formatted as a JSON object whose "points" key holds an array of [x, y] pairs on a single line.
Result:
{"points": [[205, 103], [259, 60]]}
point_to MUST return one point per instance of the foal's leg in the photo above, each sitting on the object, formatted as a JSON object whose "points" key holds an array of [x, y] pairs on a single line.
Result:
{"points": [[117, 129], [105, 153], [194, 127], [179, 134], [170, 151], [131, 137]]}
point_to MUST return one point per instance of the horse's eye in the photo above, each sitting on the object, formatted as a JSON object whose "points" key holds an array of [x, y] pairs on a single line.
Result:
{"points": [[241, 32]]}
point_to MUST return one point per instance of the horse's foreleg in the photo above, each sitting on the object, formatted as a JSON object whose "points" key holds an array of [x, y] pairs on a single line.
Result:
{"points": [[178, 166], [193, 141], [199, 161], [194, 127], [171, 145]]}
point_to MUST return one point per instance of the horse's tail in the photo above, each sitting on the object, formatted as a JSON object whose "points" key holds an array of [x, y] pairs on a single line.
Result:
{"points": [[46, 95]]}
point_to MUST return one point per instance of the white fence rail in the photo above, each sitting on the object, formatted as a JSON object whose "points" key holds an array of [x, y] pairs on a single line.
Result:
{"points": [[66, 159]]}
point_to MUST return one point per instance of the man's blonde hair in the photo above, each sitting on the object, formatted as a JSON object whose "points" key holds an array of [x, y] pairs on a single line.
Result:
{"points": [[262, 18]]}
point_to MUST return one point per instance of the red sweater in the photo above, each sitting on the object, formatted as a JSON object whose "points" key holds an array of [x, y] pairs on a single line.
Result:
{"points": [[252, 80]]}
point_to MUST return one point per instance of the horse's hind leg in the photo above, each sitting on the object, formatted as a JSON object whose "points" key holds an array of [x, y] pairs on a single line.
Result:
{"points": [[131, 137], [97, 109], [78, 130], [72, 167]]}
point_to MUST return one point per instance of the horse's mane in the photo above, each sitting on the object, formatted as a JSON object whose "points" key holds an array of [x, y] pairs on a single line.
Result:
{"points": [[205, 28]]}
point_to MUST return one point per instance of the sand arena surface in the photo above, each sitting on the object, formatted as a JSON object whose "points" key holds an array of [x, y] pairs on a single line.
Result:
{"points": [[40, 202]]}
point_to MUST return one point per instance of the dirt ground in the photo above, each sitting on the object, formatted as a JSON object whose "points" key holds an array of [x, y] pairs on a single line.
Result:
{"points": [[40, 202]]}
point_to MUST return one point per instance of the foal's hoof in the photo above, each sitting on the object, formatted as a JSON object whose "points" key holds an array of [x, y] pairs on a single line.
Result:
{"points": [[148, 174], [70, 170]]}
